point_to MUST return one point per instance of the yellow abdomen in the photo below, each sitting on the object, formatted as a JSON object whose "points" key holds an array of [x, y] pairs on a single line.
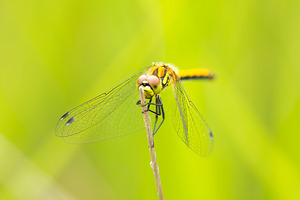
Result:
{"points": [[199, 73]]}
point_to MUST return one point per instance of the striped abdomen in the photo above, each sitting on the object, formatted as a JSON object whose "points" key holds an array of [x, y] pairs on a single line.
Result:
{"points": [[200, 73]]}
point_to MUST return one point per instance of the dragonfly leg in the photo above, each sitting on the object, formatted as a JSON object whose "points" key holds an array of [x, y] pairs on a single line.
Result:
{"points": [[159, 112], [155, 104], [146, 104], [138, 102]]}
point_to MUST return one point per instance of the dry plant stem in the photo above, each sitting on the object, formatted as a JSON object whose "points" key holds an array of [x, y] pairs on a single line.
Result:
{"points": [[150, 143]]}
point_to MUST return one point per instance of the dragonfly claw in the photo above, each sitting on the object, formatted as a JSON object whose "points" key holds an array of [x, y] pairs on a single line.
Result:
{"points": [[153, 144], [145, 111]]}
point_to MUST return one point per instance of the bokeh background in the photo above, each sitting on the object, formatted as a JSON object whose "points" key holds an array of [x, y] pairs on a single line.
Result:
{"points": [[55, 55]]}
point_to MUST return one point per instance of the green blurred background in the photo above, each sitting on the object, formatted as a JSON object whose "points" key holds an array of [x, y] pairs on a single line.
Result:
{"points": [[55, 55]]}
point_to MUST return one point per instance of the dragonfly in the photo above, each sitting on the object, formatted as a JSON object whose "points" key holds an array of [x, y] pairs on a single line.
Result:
{"points": [[117, 112]]}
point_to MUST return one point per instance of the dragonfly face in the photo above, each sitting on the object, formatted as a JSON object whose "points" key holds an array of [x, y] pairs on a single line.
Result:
{"points": [[115, 113], [151, 85]]}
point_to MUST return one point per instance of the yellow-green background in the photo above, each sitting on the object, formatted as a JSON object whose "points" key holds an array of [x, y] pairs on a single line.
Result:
{"points": [[55, 55]]}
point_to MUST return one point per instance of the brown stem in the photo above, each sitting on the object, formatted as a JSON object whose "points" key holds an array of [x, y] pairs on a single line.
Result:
{"points": [[151, 145]]}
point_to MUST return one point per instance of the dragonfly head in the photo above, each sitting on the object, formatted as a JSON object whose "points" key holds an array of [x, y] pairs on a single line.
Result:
{"points": [[151, 85]]}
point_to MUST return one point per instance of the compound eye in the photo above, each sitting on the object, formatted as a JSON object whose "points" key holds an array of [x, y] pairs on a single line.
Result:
{"points": [[153, 80], [141, 79]]}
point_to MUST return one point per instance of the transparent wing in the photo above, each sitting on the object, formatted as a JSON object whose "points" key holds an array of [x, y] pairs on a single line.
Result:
{"points": [[111, 114], [189, 123]]}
